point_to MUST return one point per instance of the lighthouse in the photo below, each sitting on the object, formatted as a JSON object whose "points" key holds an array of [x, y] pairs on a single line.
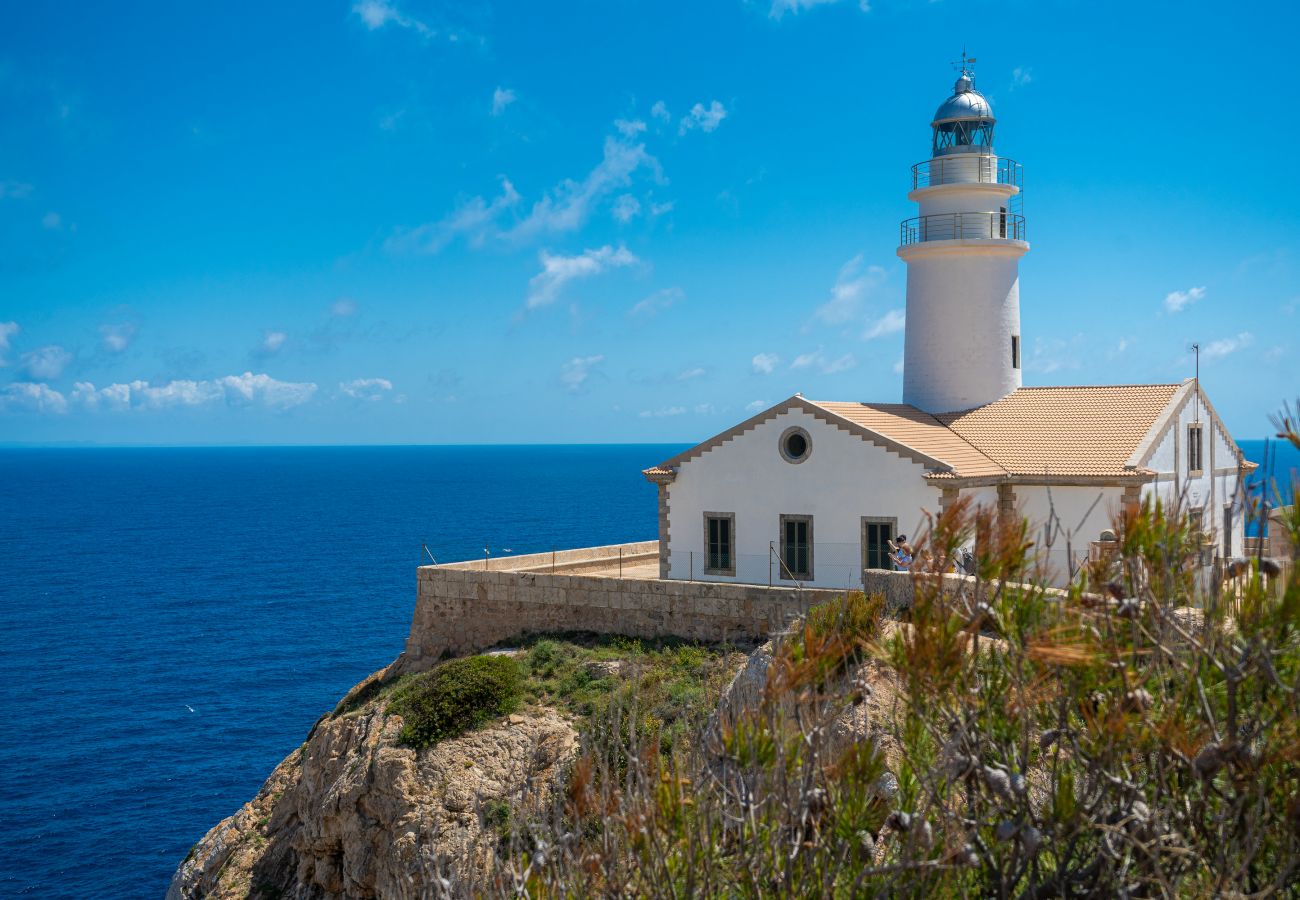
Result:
{"points": [[962, 344]]}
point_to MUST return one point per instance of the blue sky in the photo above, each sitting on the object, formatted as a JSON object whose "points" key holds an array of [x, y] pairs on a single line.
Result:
{"points": [[404, 221]]}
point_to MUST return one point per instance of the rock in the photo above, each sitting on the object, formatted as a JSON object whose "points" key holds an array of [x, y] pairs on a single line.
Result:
{"points": [[352, 814], [604, 668]]}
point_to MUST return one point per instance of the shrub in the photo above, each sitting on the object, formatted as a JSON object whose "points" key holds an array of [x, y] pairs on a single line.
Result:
{"points": [[454, 697]]}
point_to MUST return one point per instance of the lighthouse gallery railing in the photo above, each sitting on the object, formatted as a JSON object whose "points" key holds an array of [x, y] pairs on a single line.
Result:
{"points": [[967, 168], [962, 226]]}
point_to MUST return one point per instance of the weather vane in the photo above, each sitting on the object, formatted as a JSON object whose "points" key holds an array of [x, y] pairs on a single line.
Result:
{"points": [[965, 63]]}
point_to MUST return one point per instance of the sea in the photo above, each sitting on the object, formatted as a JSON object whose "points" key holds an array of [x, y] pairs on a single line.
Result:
{"points": [[174, 620]]}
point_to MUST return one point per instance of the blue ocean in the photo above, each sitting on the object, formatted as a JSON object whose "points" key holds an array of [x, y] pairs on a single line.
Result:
{"points": [[172, 621]]}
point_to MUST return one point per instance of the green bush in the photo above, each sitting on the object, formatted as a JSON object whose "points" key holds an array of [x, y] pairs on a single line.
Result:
{"points": [[456, 696]]}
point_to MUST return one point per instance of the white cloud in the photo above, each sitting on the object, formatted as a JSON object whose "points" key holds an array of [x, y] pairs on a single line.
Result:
{"points": [[272, 343], [51, 220], [891, 322], [851, 287], [1221, 348], [662, 412], [765, 363], [575, 372], [375, 14], [898, 366], [24, 396], [1055, 354], [116, 338], [626, 208], [658, 209], [629, 128], [657, 302], [343, 307], [14, 190], [705, 118], [501, 98], [1176, 301], [1021, 76], [557, 271], [7, 330], [365, 388], [568, 206], [818, 359], [704, 409], [660, 111], [755, 406], [475, 218], [234, 390], [689, 374], [780, 7], [46, 362]]}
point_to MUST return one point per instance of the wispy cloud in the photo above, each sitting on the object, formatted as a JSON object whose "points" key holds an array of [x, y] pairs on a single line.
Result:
{"points": [[501, 98], [25, 396], [765, 363], [891, 322], [660, 111], [756, 405], [1021, 76], [657, 302], [233, 390], [376, 14], [557, 271], [629, 128], [692, 373], [1055, 354], [343, 307], [1177, 301], [14, 190], [779, 8], [365, 388], [852, 286], [662, 412], [819, 360], [116, 338], [475, 219], [46, 363], [1224, 346], [272, 343], [52, 221], [7, 330], [626, 208], [705, 118], [567, 207], [575, 373]]}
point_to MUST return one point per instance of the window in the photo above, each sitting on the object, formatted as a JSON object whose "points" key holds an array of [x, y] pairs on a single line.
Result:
{"points": [[796, 445], [1015, 351], [1194, 448], [796, 548], [877, 532], [719, 543], [1227, 531], [1002, 222], [1196, 520]]}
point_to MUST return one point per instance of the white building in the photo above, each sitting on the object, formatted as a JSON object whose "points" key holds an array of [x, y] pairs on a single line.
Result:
{"points": [[808, 491]]}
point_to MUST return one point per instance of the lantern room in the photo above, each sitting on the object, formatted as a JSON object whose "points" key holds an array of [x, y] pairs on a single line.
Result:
{"points": [[964, 123]]}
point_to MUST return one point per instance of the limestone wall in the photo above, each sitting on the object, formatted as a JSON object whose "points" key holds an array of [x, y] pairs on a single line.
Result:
{"points": [[461, 609]]}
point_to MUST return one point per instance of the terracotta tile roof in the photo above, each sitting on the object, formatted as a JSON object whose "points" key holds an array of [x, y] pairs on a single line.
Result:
{"points": [[1065, 430], [918, 430]]}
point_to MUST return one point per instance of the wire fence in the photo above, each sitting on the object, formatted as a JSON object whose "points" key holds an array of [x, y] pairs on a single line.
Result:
{"points": [[819, 565]]}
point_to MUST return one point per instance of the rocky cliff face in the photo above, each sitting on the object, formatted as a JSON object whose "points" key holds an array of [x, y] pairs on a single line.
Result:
{"points": [[351, 814]]}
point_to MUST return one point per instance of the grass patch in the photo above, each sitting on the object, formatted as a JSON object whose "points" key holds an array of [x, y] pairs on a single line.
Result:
{"points": [[454, 697]]}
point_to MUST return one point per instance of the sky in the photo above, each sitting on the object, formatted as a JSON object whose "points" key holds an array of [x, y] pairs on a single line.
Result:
{"points": [[406, 221]]}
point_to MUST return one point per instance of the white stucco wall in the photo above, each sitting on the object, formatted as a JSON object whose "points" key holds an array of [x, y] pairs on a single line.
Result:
{"points": [[843, 479], [963, 306], [1218, 486], [1063, 521]]}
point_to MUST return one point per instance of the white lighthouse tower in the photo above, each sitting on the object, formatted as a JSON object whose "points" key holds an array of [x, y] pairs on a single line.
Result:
{"points": [[963, 251]]}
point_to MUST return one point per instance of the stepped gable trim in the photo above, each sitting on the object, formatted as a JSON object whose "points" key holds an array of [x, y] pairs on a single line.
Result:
{"points": [[944, 470], [1137, 476], [812, 409], [1168, 418]]}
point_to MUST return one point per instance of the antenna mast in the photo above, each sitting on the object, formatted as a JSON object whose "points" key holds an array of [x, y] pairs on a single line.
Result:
{"points": [[1196, 349]]}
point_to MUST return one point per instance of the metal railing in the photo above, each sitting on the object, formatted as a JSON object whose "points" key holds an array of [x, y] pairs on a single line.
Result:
{"points": [[967, 169], [962, 226]]}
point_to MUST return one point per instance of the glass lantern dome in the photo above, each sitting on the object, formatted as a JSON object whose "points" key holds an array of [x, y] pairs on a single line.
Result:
{"points": [[964, 122]]}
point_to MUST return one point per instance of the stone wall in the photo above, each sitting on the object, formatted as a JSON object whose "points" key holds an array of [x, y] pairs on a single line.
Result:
{"points": [[464, 608]]}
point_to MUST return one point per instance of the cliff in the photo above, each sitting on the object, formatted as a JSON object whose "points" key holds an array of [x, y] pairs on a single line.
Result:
{"points": [[354, 814]]}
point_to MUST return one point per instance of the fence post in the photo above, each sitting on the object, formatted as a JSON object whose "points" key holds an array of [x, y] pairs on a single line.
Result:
{"points": [[620, 562], [485, 558], [692, 573], [552, 560], [770, 545]]}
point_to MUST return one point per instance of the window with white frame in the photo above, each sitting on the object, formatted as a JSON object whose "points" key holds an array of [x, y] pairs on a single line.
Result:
{"points": [[1194, 447]]}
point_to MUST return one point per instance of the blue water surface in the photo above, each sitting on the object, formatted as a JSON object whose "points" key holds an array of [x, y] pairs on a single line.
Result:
{"points": [[172, 621]]}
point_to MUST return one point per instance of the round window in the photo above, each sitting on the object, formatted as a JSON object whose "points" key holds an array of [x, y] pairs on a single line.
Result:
{"points": [[795, 445]]}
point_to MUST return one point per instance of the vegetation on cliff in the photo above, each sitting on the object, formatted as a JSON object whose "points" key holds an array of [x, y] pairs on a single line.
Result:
{"points": [[454, 697]]}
